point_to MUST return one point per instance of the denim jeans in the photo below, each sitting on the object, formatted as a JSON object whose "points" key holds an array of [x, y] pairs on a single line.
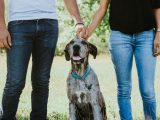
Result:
{"points": [[123, 47], [29, 37]]}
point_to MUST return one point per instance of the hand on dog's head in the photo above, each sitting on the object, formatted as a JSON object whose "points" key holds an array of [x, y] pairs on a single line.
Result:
{"points": [[85, 47]]}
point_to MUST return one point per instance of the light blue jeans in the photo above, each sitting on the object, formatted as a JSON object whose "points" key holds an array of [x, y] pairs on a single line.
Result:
{"points": [[123, 47]]}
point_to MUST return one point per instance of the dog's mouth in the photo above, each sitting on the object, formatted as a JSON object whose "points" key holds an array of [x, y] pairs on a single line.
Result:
{"points": [[77, 59]]}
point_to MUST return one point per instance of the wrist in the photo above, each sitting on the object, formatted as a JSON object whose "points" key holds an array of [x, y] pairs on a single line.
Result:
{"points": [[78, 19], [158, 30], [3, 27], [90, 30], [157, 34], [79, 23]]}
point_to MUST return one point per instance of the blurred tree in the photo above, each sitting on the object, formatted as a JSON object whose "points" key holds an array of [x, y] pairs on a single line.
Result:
{"points": [[87, 10], [67, 25]]}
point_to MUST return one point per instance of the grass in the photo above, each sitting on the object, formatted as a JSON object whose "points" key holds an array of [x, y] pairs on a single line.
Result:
{"points": [[51, 116], [58, 102]]}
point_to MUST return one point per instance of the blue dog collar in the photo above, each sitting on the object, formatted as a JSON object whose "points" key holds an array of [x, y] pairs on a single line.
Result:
{"points": [[76, 76]]}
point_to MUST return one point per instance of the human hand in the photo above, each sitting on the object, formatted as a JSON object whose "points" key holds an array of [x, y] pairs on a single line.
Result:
{"points": [[81, 30], [157, 44], [5, 39]]}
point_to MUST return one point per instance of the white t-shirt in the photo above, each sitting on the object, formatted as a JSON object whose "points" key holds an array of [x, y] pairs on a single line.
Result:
{"points": [[32, 9]]}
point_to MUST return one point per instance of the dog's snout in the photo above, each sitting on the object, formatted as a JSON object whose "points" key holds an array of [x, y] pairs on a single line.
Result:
{"points": [[76, 47]]}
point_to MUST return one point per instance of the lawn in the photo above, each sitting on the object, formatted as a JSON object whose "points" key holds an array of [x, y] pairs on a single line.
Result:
{"points": [[58, 102]]}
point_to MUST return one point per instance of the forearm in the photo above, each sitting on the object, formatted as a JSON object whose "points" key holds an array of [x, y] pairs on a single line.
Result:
{"points": [[72, 7], [99, 15], [157, 36], [2, 18], [157, 16]]}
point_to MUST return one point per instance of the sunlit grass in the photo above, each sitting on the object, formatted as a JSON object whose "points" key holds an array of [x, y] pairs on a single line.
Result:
{"points": [[58, 101]]}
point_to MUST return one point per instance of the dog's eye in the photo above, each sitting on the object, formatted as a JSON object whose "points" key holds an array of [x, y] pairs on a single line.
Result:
{"points": [[72, 42], [84, 42]]}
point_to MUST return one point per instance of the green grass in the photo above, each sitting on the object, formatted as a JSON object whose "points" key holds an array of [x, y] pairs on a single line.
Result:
{"points": [[58, 101], [51, 116]]}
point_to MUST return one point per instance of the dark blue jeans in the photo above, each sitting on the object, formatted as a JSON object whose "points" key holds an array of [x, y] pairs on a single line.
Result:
{"points": [[29, 37]]}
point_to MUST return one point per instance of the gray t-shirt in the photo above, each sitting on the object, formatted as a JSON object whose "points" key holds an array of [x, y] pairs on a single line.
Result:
{"points": [[32, 9]]}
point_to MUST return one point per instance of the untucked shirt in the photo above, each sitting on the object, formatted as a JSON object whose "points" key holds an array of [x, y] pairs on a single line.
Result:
{"points": [[32, 9], [133, 16]]}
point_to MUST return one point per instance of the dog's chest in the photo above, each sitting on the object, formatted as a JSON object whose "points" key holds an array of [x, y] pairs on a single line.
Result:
{"points": [[82, 85], [81, 91]]}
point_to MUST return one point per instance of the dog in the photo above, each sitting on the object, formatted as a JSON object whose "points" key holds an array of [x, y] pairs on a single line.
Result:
{"points": [[86, 101]]}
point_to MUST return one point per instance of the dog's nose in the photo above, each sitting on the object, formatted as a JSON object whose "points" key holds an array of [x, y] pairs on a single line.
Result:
{"points": [[76, 47]]}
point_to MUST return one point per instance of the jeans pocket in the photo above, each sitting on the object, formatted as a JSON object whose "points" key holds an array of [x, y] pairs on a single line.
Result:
{"points": [[114, 38], [17, 22], [13, 25], [52, 22]]}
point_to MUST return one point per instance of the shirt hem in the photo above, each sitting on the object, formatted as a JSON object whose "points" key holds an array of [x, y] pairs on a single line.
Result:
{"points": [[33, 18]]}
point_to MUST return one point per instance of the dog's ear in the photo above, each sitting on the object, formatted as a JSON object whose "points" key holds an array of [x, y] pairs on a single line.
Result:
{"points": [[67, 56], [93, 50]]}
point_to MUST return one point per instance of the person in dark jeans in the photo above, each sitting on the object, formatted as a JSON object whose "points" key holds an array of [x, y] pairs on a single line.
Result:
{"points": [[135, 31], [32, 30]]}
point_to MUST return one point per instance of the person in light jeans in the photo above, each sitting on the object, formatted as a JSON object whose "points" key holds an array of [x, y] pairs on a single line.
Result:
{"points": [[32, 30], [135, 31]]}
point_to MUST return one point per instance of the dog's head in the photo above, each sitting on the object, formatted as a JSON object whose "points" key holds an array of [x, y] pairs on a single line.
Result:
{"points": [[78, 50]]}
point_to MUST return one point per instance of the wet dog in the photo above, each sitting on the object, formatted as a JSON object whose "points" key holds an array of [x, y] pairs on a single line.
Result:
{"points": [[86, 101]]}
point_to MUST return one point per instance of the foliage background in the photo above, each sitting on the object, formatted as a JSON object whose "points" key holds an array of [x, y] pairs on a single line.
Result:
{"points": [[58, 101], [66, 25]]}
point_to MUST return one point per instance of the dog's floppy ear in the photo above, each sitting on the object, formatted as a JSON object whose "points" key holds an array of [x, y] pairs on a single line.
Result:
{"points": [[93, 50], [67, 56]]}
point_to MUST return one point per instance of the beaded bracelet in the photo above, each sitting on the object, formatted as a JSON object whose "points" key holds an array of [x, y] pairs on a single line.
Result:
{"points": [[158, 29], [80, 23]]}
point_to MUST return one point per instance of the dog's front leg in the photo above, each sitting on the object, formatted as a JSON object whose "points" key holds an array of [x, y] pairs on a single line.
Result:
{"points": [[96, 107], [96, 111], [72, 111]]}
